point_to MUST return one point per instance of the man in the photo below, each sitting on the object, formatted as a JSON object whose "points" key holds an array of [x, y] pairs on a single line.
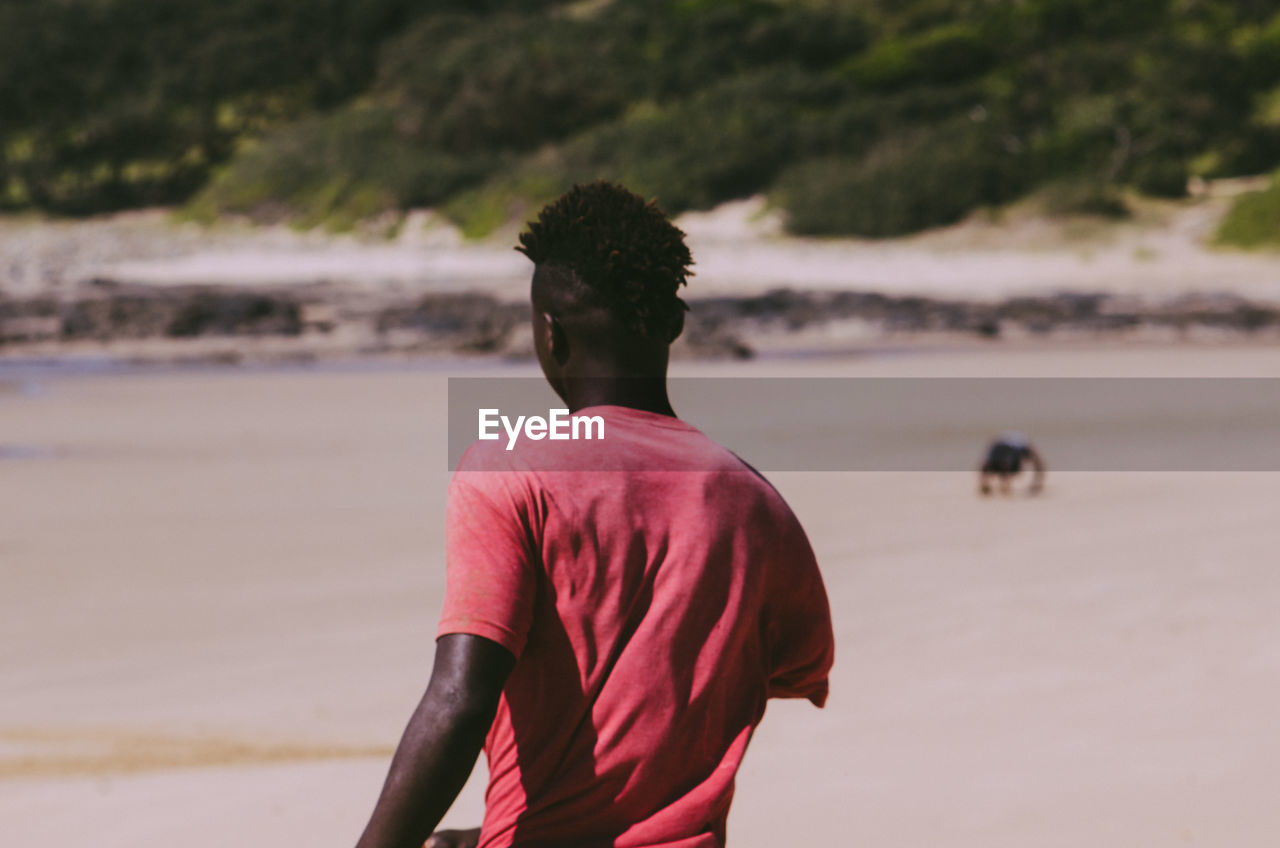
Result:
{"points": [[617, 611], [1004, 462]]}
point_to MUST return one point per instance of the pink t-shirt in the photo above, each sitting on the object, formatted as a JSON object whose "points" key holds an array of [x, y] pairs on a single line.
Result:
{"points": [[652, 613]]}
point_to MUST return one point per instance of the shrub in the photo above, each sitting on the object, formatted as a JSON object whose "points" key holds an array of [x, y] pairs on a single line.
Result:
{"points": [[1083, 195], [1160, 176], [724, 143], [330, 110], [516, 81], [905, 186], [336, 169], [944, 54], [1254, 219], [120, 103], [508, 81], [481, 210]]}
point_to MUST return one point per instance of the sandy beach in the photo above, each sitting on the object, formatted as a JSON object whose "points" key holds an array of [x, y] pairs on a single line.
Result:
{"points": [[267, 268], [222, 587]]}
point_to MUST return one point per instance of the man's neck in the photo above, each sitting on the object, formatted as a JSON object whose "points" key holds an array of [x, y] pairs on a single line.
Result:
{"points": [[648, 394]]}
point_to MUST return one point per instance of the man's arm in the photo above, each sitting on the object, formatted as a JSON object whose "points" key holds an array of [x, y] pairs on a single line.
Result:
{"points": [[440, 746], [801, 645]]}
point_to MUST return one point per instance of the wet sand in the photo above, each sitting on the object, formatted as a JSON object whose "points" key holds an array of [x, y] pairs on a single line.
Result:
{"points": [[221, 590]]}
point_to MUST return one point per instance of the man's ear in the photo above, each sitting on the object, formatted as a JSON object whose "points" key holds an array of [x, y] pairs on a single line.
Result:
{"points": [[557, 340]]}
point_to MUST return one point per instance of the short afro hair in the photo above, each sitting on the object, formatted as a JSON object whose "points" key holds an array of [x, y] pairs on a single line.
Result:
{"points": [[621, 248]]}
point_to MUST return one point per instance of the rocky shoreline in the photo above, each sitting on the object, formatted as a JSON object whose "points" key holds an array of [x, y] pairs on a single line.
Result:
{"points": [[139, 323], [140, 287]]}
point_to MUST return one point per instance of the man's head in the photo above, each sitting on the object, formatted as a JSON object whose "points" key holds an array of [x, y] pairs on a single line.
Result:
{"points": [[607, 269]]}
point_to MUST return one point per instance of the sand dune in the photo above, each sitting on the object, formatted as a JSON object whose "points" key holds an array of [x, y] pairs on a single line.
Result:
{"points": [[739, 247]]}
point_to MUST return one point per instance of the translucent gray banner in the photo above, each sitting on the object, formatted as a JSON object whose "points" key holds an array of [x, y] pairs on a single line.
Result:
{"points": [[928, 424]]}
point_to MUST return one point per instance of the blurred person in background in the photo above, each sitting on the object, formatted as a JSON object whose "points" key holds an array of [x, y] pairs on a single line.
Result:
{"points": [[1004, 462]]}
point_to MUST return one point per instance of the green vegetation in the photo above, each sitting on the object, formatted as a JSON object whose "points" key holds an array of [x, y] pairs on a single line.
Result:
{"points": [[863, 117], [1254, 219]]}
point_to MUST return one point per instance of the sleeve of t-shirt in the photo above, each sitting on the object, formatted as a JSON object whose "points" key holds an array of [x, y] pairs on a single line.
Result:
{"points": [[802, 646], [491, 574]]}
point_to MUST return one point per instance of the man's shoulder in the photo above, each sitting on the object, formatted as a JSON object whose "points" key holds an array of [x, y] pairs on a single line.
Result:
{"points": [[486, 455]]}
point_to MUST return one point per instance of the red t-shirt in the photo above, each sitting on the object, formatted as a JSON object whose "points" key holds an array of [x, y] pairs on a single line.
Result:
{"points": [[652, 613]]}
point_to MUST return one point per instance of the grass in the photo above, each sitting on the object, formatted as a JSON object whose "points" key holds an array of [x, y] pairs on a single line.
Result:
{"points": [[1254, 220]]}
